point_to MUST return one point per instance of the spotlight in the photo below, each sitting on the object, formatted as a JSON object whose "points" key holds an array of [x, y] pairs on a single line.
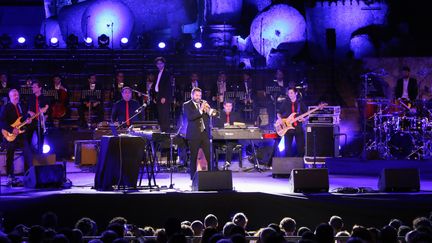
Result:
{"points": [[124, 42], [103, 41], [72, 41], [161, 45], [198, 45], [46, 148], [54, 42], [21, 40], [5, 41], [39, 41], [88, 42]]}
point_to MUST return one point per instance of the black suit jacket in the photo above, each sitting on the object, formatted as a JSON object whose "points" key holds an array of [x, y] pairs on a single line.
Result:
{"points": [[165, 87], [412, 89], [193, 117], [119, 111], [221, 120], [8, 116]]}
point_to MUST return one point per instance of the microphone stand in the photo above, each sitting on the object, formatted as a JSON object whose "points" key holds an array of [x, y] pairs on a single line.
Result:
{"points": [[172, 136]]}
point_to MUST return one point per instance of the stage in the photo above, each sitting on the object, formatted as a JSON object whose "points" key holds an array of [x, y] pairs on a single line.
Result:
{"points": [[263, 198]]}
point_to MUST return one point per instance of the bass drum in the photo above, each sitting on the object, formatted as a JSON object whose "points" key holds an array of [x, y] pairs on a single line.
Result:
{"points": [[401, 145]]}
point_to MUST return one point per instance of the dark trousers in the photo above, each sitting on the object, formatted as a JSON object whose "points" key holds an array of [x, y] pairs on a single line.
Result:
{"points": [[97, 110], [34, 128], [298, 133], [194, 145], [20, 141], [163, 112]]}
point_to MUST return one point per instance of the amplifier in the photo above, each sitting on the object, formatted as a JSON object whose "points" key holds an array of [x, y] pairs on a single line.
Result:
{"points": [[323, 120], [328, 110], [321, 140]]}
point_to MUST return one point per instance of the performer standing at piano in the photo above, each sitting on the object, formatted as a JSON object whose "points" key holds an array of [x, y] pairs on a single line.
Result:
{"points": [[124, 109], [91, 101], [163, 94], [198, 128], [9, 114], [227, 117], [406, 87], [293, 105], [37, 103]]}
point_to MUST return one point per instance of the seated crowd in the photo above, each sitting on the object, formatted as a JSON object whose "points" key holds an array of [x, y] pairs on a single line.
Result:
{"points": [[210, 231]]}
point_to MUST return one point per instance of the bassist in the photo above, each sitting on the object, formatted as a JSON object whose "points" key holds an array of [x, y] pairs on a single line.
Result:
{"points": [[289, 106], [9, 114]]}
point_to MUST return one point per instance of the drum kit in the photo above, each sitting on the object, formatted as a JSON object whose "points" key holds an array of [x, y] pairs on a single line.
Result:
{"points": [[398, 130]]}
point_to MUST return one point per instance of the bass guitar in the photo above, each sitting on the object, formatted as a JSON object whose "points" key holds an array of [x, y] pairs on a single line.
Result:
{"points": [[10, 137], [285, 124]]}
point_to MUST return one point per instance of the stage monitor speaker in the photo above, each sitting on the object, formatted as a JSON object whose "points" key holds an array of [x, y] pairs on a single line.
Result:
{"points": [[399, 180], [212, 181], [331, 38], [326, 144], [309, 180], [282, 166], [44, 176]]}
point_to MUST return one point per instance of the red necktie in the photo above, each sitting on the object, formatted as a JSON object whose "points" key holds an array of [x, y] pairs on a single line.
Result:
{"points": [[37, 106], [127, 113], [293, 110], [227, 118], [17, 111]]}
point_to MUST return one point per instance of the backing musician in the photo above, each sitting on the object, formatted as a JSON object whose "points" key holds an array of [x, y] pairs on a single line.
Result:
{"points": [[227, 117], [119, 83], [406, 87], [198, 128], [163, 94], [221, 89], [91, 101], [37, 103], [9, 114], [293, 105], [60, 103], [124, 109]]}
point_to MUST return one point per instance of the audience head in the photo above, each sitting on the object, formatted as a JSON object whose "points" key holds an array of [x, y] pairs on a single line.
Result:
{"points": [[109, 236], [240, 219], [389, 234], [197, 227], [324, 233], [421, 221], [161, 235], [303, 230], [342, 234], [288, 225], [395, 223], [208, 233], [49, 220], [211, 221], [117, 227], [227, 228], [87, 226], [362, 233], [36, 234], [187, 230], [275, 227], [172, 226], [337, 223]]}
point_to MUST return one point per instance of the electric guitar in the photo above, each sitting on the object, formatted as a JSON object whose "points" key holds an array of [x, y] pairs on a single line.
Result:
{"points": [[285, 124], [10, 137]]}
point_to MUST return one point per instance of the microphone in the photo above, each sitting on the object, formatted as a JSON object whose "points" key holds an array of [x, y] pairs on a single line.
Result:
{"points": [[141, 107]]}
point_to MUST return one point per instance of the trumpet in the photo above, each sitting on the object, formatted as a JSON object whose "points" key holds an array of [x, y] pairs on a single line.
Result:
{"points": [[207, 109]]}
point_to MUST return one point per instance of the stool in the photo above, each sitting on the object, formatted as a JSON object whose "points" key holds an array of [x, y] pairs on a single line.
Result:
{"points": [[222, 149]]}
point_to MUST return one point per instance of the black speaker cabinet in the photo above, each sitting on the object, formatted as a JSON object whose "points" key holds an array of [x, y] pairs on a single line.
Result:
{"points": [[323, 137], [399, 180], [282, 166], [309, 180], [212, 181], [44, 176]]}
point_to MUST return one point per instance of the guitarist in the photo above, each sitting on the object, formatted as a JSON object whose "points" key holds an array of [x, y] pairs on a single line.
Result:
{"points": [[37, 103], [9, 114], [293, 105]]}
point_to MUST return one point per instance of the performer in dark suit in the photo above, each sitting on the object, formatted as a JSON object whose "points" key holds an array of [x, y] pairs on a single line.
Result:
{"points": [[163, 94], [119, 83], [5, 87], [291, 105], [125, 108], [228, 117], [9, 114], [37, 102], [198, 128], [91, 101], [406, 87]]}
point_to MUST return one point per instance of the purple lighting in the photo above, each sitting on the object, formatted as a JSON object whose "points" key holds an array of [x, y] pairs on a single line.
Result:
{"points": [[161, 45], [198, 45], [21, 40]]}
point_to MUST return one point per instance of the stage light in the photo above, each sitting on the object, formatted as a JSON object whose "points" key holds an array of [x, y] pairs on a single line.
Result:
{"points": [[39, 41], [124, 42], [198, 45], [281, 145], [5, 41], [103, 41], [88, 42], [54, 42], [72, 41], [46, 148], [161, 45], [21, 40]]}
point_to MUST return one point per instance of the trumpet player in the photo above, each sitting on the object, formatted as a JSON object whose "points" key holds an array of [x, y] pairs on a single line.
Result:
{"points": [[197, 113]]}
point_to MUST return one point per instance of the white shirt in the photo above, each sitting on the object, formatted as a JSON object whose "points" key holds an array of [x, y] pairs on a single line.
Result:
{"points": [[405, 89], [158, 80], [195, 84]]}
